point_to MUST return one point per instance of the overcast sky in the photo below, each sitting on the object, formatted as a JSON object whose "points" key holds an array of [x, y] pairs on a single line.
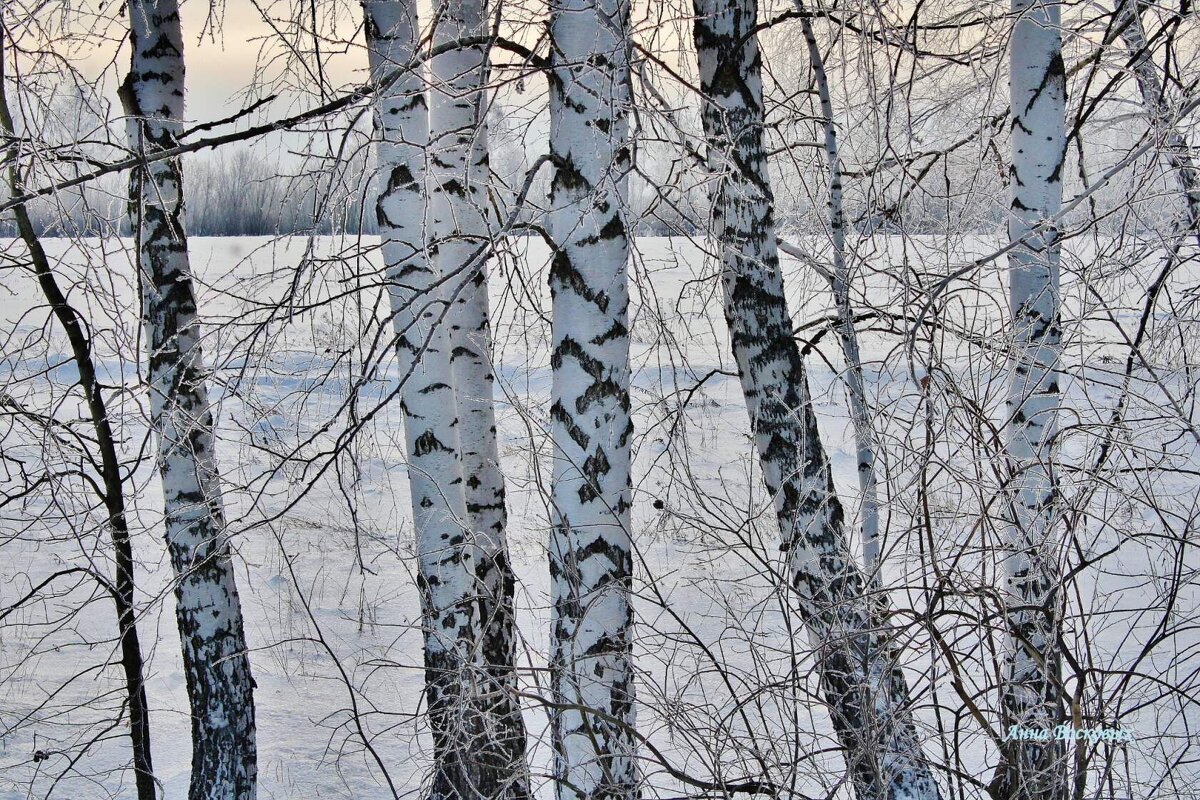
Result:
{"points": [[217, 71]]}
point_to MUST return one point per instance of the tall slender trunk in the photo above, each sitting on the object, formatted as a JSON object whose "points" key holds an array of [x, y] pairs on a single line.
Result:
{"points": [[591, 560], [860, 412], [863, 686], [1030, 694], [460, 231], [446, 575], [1159, 111], [215, 660], [113, 495]]}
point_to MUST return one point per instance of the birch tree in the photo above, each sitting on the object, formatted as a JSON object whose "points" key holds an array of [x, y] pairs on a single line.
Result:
{"points": [[1031, 696], [208, 610], [470, 754], [839, 280], [459, 232], [591, 560], [863, 686], [1158, 107]]}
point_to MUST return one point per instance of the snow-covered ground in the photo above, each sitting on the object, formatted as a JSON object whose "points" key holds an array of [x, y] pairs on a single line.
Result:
{"points": [[299, 348]]}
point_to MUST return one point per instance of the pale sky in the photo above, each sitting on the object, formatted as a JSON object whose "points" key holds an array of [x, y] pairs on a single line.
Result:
{"points": [[220, 67], [218, 71]]}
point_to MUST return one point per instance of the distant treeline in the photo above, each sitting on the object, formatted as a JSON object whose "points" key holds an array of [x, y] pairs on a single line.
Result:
{"points": [[230, 194], [242, 193]]}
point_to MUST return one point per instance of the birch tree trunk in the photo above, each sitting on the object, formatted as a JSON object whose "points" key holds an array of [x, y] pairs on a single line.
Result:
{"points": [[860, 412], [460, 236], [862, 683], [455, 678], [1030, 694], [215, 661], [113, 487], [591, 561], [1159, 111]]}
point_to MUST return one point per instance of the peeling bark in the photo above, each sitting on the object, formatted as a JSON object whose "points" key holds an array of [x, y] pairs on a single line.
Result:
{"points": [[208, 611], [591, 561], [863, 685]]}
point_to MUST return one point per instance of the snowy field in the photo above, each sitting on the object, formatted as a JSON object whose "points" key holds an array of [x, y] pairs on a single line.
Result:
{"points": [[299, 348]]}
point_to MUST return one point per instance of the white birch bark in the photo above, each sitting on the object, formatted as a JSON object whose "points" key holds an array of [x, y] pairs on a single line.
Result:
{"points": [[449, 587], [460, 233], [860, 412], [862, 683], [591, 560], [215, 660], [1030, 696], [1160, 112]]}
